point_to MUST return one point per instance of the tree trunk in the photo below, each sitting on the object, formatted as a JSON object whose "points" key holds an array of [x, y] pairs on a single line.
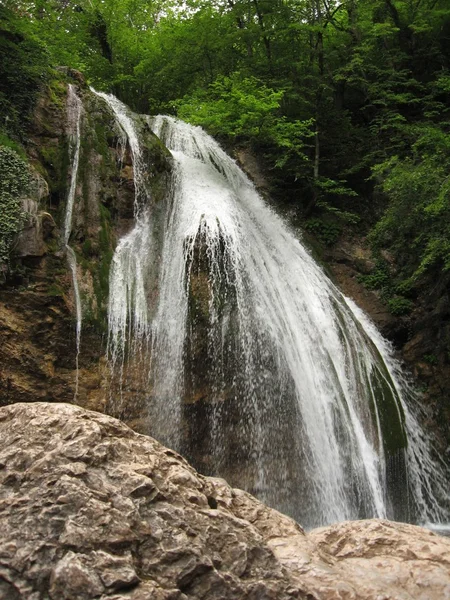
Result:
{"points": [[316, 153], [266, 40]]}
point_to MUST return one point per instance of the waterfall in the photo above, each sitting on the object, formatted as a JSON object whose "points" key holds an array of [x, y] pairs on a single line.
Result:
{"points": [[128, 131], [257, 367], [131, 273], [74, 109]]}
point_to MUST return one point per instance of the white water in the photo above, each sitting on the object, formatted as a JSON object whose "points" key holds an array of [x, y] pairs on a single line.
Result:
{"points": [[128, 310], [74, 109], [320, 424], [440, 528], [127, 127]]}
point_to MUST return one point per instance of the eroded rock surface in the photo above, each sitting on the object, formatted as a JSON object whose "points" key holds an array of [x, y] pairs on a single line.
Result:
{"points": [[91, 509]]}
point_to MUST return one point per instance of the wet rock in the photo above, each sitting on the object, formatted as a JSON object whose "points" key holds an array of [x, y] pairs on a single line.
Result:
{"points": [[37, 309], [347, 261], [253, 167], [421, 338], [91, 509]]}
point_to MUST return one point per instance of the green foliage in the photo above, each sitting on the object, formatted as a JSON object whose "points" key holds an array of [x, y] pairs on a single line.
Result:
{"points": [[392, 294], [23, 70], [399, 305], [244, 108], [340, 99], [14, 183], [290, 139], [233, 106], [377, 279], [14, 173], [416, 225], [327, 232]]}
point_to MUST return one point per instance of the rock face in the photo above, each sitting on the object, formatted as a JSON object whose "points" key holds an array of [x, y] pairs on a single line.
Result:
{"points": [[422, 338], [90, 509], [37, 312]]}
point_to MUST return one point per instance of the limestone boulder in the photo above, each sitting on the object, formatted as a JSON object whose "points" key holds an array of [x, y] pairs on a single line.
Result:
{"points": [[91, 509]]}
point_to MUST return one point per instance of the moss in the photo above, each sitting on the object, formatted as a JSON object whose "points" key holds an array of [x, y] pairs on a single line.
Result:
{"points": [[55, 160], [101, 128], [94, 142], [390, 413], [90, 319], [55, 290], [8, 142], [105, 230], [96, 259], [83, 167], [158, 186], [106, 255], [56, 266], [101, 137], [57, 91], [53, 245], [326, 231], [87, 248], [82, 261], [95, 253]]}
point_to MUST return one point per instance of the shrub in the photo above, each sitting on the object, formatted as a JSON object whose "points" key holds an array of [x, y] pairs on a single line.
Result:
{"points": [[327, 232], [376, 280], [400, 306]]}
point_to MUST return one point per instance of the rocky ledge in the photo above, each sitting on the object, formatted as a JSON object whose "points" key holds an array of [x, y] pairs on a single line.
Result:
{"points": [[91, 509]]}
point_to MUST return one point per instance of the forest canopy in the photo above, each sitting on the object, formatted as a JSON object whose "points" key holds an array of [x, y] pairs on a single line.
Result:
{"points": [[347, 103]]}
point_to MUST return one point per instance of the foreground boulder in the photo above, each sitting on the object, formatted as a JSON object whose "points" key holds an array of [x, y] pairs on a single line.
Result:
{"points": [[90, 509]]}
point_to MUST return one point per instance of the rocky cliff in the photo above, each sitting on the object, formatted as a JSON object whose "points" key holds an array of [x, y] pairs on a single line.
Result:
{"points": [[37, 326], [37, 329], [91, 509]]}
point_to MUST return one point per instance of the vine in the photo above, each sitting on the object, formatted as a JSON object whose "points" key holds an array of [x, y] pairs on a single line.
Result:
{"points": [[15, 180]]}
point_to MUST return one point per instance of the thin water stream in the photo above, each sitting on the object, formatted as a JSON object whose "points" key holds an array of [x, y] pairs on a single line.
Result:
{"points": [[74, 109]]}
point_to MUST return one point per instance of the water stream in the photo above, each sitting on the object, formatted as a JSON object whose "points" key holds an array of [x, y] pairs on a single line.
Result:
{"points": [[74, 109], [257, 367], [129, 320]]}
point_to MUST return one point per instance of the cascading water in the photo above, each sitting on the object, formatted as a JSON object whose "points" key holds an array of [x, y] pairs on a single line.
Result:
{"points": [[324, 427], [128, 311], [74, 109], [304, 405], [128, 131]]}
